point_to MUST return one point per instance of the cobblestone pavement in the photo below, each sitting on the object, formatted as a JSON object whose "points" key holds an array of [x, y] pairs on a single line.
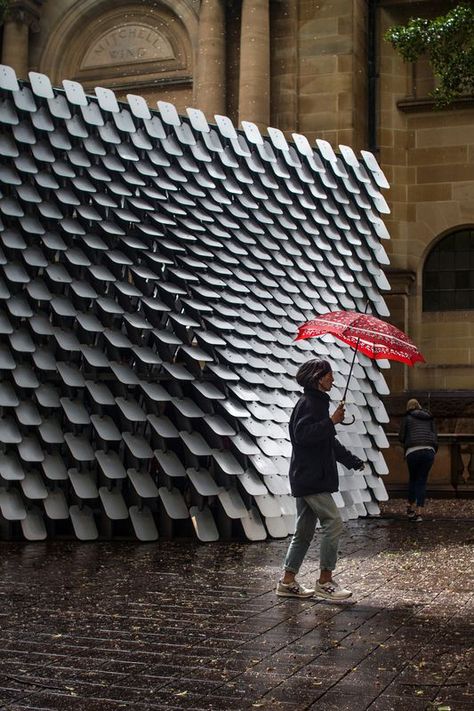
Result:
{"points": [[179, 625]]}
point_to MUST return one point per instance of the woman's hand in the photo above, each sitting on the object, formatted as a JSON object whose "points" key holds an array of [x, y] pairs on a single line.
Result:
{"points": [[338, 414]]}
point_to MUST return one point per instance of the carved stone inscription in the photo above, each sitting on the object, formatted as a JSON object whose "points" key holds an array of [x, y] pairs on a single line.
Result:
{"points": [[128, 44]]}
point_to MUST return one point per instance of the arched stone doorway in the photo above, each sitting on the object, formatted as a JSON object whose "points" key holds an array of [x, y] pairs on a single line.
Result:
{"points": [[126, 46]]}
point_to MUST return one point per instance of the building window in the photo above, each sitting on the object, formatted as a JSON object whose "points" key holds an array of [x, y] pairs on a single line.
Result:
{"points": [[448, 274]]}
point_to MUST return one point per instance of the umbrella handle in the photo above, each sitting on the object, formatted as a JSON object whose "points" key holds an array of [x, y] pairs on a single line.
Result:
{"points": [[351, 422]]}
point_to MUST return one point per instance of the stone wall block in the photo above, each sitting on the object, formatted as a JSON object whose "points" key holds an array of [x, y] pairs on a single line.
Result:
{"points": [[444, 173]]}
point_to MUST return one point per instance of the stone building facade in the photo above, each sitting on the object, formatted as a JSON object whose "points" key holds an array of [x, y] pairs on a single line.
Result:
{"points": [[320, 68]]}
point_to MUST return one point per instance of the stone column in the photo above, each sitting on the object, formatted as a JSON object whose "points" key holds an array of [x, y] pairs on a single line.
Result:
{"points": [[254, 86], [22, 15], [210, 89], [284, 64]]}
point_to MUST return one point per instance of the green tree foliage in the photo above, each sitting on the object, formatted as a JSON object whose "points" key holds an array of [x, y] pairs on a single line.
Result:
{"points": [[448, 43]]}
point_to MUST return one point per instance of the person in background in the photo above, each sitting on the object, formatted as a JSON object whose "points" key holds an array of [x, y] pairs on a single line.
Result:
{"points": [[420, 441], [313, 479]]}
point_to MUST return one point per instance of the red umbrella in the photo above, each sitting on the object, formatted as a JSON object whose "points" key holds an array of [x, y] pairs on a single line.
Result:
{"points": [[365, 333]]}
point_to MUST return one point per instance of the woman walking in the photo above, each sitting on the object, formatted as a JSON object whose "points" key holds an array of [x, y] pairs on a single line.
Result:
{"points": [[420, 441], [313, 480]]}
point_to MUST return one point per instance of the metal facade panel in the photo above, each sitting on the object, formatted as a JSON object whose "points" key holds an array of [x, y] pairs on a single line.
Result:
{"points": [[154, 269]]}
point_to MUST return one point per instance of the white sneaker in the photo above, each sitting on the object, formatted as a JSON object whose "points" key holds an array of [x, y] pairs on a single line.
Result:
{"points": [[331, 591], [293, 589]]}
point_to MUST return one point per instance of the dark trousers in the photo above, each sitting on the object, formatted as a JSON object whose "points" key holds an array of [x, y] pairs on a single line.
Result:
{"points": [[419, 465]]}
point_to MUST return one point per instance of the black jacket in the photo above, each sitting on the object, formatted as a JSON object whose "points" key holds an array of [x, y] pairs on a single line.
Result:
{"points": [[418, 429], [313, 468]]}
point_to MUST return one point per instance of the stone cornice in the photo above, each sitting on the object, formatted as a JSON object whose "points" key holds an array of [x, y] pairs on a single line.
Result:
{"points": [[428, 104], [400, 280]]}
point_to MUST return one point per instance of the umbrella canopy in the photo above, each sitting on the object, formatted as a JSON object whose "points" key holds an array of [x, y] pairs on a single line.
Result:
{"points": [[366, 333]]}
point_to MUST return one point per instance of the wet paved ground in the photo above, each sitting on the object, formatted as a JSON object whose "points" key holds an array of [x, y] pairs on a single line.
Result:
{"points": [[178, 625]]}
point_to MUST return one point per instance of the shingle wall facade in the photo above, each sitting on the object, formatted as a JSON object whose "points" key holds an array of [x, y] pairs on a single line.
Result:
{"points": [[155, 270]]}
